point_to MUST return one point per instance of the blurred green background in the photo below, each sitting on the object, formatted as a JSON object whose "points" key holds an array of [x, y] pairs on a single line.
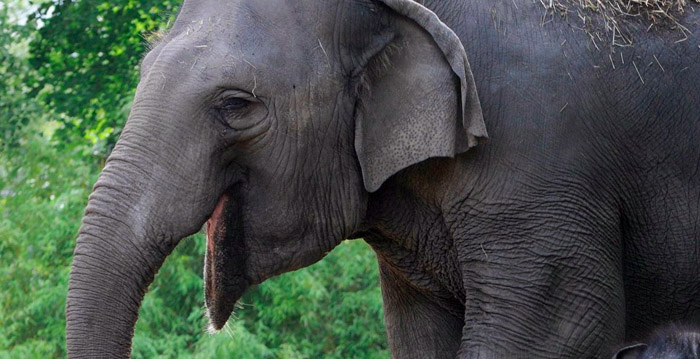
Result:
{"points": [[68, 71]]}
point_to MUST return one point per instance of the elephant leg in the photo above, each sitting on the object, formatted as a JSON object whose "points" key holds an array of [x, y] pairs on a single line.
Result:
{"points": [[527, 303], [662, 244], [417, 325]]}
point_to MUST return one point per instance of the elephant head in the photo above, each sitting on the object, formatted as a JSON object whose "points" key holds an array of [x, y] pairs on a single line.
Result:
{"points": [[272, 122]]}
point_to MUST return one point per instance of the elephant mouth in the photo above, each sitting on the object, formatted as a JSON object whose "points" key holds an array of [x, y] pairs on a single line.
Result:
{"points": [[224, 264]]}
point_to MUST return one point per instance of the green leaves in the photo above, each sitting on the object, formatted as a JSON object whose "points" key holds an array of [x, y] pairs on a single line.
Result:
{"points": [[88, 53], [329, 310]]}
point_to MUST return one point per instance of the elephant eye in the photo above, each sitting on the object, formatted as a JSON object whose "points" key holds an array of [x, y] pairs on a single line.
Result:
{"points": [[232, 107], [233, 104], [234, 100]]}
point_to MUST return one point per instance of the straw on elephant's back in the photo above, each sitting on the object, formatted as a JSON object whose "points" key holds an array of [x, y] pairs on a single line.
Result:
{"points": [[613, 19]]}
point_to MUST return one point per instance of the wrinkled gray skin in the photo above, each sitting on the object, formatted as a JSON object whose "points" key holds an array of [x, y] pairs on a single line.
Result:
{"points": [[674, 342], [290, 125]]}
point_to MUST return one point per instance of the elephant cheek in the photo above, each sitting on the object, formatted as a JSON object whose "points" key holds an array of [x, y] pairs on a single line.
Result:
{"points": [[224, 264]]}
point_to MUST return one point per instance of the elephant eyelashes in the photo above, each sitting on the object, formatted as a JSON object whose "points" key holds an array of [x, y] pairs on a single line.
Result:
{"points": [[233, 105], [233, 108]]}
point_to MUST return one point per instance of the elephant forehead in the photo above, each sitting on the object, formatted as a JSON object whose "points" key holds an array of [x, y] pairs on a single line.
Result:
{"points": [[274, 35]]}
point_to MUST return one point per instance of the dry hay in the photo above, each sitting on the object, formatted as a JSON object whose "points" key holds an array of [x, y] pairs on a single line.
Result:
{"points": [[616, 16], [601, 19]]}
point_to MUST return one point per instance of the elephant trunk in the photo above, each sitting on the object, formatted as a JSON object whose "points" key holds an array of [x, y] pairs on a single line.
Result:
{"points": [[149, 196], [117, 254], [160, 184]]}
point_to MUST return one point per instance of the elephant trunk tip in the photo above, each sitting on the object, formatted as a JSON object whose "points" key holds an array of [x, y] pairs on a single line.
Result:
{"points": [[218, 317]]}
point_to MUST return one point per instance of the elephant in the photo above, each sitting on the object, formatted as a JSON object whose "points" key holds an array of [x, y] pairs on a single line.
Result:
{"points": [[288, 126], [672, 342]]}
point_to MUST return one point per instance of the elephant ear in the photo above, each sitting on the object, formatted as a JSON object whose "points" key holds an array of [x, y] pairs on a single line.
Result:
{"points": [[418, 99], [631, 352]]}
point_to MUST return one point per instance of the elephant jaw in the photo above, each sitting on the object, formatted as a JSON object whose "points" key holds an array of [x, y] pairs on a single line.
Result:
{"points": [[224, 263]]}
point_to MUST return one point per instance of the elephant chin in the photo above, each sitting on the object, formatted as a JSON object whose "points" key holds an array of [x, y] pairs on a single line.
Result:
{"points": [[224, 265]]}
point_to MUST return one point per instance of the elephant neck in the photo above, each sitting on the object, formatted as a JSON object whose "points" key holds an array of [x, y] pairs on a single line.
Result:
{"points": [[406, 228]]}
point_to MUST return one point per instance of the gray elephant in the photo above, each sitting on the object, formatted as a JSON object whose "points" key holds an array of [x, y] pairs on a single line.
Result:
{"points": [[290, 125]]}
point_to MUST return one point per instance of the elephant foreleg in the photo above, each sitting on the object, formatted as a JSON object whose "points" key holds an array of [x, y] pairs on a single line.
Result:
{"points": [[417, 326], [522, 305]]}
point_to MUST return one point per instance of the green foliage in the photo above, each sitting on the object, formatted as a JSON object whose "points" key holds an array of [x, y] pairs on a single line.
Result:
{"points": [[329, 310], [332, 308], [88, 53], [43, 195], [17, 108], [67, 77]]}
